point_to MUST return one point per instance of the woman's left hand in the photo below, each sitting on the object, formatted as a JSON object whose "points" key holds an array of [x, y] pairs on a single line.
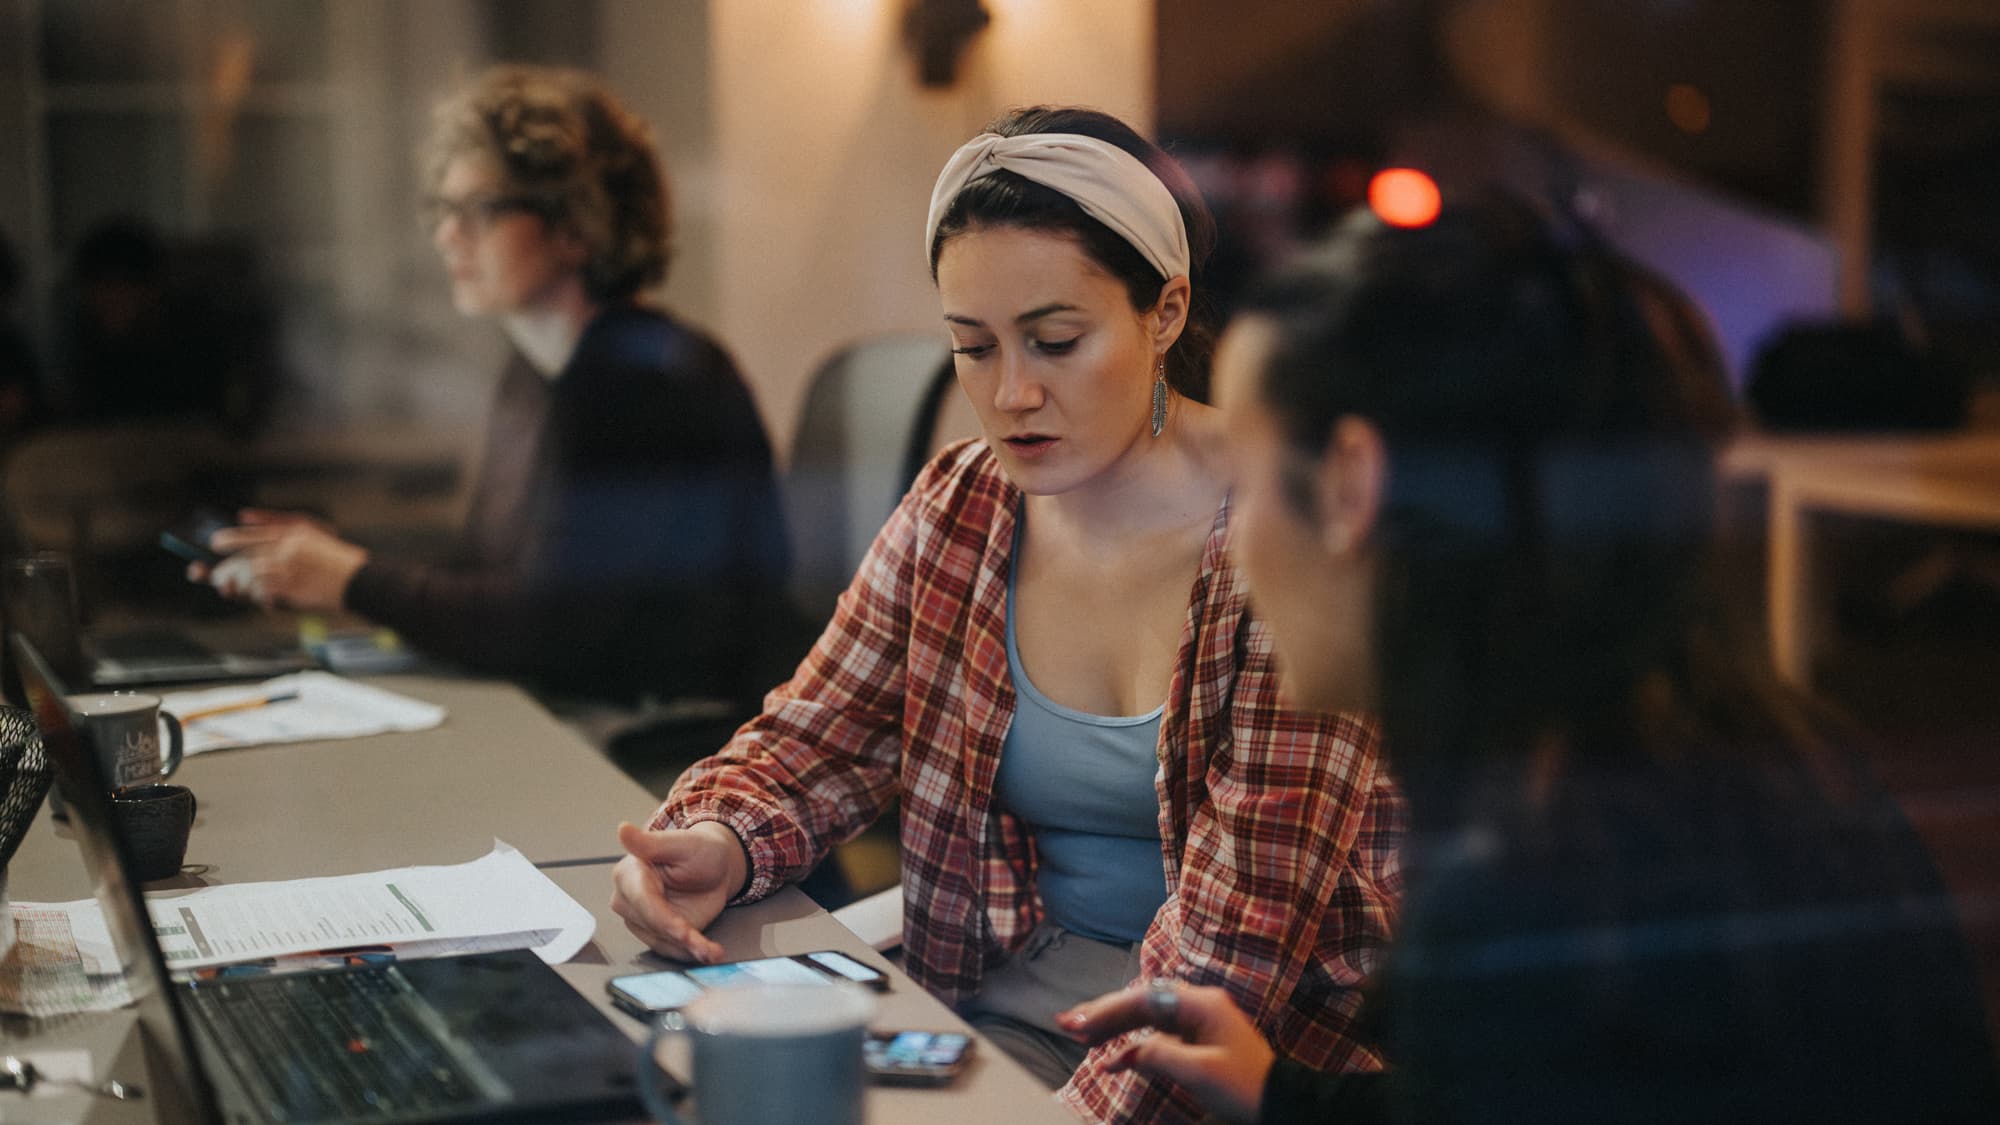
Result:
{"points": [[294, 563], [1211, 1047]]}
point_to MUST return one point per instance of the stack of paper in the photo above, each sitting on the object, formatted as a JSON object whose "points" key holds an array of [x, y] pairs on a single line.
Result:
{"points": [[64, 960], [326, 706]]}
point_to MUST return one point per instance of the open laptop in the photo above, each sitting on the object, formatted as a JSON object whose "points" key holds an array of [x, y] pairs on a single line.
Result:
{"points": [[164, 655], [490, 1036]]}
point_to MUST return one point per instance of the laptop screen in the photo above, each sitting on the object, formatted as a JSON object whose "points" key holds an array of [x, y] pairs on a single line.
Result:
{"points": [[85, 790]]}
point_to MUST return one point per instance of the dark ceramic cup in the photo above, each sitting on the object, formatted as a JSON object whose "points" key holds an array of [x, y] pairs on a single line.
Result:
{"points": [[155, 821]]}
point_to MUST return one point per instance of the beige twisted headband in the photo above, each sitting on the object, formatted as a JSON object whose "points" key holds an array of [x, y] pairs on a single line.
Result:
{"points": [[1111, 185]]}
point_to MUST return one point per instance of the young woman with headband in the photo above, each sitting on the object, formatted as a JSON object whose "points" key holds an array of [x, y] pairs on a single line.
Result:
{"points": [[1048, 657], [1474, 471]]}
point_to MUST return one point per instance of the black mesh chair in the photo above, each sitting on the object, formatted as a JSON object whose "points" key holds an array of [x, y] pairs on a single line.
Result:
{"points": [[24, 780]]}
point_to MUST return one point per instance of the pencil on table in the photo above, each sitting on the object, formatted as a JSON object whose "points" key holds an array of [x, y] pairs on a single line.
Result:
{"points": [[239, 705]]}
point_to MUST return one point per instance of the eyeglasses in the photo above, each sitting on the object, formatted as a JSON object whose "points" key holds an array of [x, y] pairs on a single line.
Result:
{"points": [[476, 212]]}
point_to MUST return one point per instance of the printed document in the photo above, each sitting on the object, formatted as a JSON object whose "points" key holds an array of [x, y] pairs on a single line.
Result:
{"points": [[499, 901], [323, 706]]}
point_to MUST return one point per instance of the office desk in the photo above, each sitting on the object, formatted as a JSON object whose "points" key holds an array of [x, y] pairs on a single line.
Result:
{"points": [[1950, 480], [498, 766], [993, 1090], [391, 800]]}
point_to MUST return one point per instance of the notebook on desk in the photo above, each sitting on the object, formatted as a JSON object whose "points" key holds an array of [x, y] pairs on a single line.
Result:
{"points": [[134, 657], [490, 1036]]}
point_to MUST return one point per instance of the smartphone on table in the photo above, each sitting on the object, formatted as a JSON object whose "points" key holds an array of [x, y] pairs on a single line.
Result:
{"points": [[915, 1058], [648, 994]]}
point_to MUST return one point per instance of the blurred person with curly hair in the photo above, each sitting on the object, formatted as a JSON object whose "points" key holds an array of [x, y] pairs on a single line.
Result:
{"points": [[624, 538]]}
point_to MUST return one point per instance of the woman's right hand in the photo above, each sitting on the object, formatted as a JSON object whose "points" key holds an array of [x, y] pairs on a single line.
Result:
{"points": [[285, 559], [673, 882], [1210, 1046]]}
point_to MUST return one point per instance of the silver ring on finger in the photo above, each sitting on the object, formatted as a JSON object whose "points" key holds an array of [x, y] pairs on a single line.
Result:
{"points": [[1163, 1003]]}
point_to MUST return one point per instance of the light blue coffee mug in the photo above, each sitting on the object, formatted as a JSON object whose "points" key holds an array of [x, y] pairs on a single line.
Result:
{"points": [[765, 1054]]}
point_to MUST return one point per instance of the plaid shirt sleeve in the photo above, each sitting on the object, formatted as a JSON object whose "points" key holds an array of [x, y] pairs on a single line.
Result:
{"points": [[820, 763], [1288, 875]]}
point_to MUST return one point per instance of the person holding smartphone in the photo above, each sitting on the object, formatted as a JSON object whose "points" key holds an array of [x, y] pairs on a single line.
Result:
{"points": [[624, 536], [1473, 470], [1049, 659]]}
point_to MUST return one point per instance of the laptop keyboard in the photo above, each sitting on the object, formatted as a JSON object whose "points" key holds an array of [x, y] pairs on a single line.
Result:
{"points": [[356, 1044]]}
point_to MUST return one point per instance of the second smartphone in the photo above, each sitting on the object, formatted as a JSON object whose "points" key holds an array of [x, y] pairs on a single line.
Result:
{"points": [[647, 994]]}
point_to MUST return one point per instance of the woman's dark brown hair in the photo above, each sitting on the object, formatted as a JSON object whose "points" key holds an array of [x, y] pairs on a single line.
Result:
{"points": [[1007, 200], [1551, 414]]}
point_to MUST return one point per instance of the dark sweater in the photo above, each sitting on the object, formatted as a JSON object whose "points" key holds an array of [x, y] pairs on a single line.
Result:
{"points": [[1670, 945], [625, 535]]}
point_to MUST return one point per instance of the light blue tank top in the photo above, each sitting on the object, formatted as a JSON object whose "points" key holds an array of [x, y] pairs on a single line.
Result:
{"points": [[1083, 786]]}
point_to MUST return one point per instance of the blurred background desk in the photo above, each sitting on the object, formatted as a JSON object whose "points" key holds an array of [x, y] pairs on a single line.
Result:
{"points": [[104, 492], [498, 766], [1950, 481]]}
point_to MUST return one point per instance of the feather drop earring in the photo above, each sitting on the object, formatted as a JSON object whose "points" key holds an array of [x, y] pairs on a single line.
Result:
{"points": [[1160, 397]]}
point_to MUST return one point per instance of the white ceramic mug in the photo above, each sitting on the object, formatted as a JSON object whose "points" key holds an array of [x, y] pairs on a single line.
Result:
{"points": [[767, 1054]]}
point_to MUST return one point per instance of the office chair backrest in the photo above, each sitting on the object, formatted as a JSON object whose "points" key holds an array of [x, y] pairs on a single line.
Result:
{"points": [[849, 463]]}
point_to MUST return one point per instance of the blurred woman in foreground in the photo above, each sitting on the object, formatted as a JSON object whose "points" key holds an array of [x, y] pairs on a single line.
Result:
{"points": [[1473, 480]]}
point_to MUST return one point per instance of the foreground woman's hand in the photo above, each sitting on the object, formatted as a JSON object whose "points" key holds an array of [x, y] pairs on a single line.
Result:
{"points": [[1210, 1046], [673, 883]]}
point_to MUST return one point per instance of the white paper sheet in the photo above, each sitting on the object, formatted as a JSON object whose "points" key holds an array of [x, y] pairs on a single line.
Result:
{"points": [[327, 706], [499, 901], [47, 973]]}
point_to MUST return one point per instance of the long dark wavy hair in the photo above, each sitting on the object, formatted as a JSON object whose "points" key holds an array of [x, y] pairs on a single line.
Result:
{"points": [[1548, 582], [1005, 199]]}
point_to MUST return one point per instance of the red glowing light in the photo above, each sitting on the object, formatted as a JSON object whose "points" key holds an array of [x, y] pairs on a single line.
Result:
{"points": [[1404, 197]]}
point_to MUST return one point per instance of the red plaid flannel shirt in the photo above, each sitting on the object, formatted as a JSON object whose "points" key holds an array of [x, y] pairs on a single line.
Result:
{"points": [[1278, 828]]}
